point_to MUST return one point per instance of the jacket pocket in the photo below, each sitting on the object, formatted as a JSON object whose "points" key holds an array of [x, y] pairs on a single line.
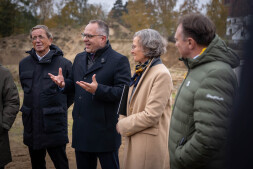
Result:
{"points": [[26, 118], [151, 131], [54, 119], [26, 80], [49, 87]]}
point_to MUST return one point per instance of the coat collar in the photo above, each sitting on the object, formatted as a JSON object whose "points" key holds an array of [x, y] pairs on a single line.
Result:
{"points": [[101, 58], [54, 51], [217, 50], [155, 61]]}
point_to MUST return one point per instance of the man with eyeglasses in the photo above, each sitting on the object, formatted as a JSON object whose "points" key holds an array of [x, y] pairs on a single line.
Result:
{"points": [[44, 109], [99, 74]]}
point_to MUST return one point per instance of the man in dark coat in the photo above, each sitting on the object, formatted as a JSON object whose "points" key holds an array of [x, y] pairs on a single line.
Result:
{"points": [[99, 74], [44, 110], [9, 106]]}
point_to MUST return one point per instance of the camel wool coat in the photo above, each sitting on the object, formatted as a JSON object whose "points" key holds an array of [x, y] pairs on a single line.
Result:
{"points": [[146, 127]]}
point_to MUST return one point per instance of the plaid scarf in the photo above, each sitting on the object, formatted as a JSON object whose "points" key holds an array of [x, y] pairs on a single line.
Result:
{"points": [[139, 69]]}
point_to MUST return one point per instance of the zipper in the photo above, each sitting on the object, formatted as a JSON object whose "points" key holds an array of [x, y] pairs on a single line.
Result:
{"points": [[188, 71]]}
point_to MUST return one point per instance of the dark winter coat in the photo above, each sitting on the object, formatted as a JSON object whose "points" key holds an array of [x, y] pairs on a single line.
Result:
{"points": [[201, 113], [95, 117], [9, 106], [44, 110]]}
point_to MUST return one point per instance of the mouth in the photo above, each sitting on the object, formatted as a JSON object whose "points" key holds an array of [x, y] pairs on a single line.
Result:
{"points": [[87, 45], [38, 46]]}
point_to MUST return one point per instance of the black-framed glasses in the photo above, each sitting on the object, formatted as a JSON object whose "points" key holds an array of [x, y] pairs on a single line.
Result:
{"points": [[89, 36]]}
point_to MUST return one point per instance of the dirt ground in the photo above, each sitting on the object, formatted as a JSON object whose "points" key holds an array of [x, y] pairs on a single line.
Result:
{"points": [[20, 154]]}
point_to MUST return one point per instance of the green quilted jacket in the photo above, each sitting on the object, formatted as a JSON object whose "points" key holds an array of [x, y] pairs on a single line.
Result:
{"points": [[201, 112]]}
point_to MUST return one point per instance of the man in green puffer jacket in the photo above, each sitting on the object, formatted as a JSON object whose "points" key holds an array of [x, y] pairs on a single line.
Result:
{"points": [[201, 112]]}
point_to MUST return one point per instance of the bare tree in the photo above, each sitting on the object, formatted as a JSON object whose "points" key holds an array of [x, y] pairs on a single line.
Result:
{"points": [[218, 14], [45, 9], [189, 6], [166, 15]]}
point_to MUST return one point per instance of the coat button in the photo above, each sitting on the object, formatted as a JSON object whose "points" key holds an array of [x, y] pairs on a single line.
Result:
{"points": [[84, 78], [80, 97]]}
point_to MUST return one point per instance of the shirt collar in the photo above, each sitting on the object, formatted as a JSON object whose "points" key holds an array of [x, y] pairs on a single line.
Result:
{"points": [[200, 53], [40, 57]]}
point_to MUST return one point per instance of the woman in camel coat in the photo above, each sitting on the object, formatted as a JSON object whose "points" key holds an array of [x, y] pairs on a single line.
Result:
{"points": [[146, 126]]}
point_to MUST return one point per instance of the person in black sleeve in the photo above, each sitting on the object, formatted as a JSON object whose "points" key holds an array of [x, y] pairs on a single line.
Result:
{"points": [[9, 106], [99, 74], [44, 109]]}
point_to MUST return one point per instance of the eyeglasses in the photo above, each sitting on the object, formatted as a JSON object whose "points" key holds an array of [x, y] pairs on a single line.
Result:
{"points": [[133, 47], [89, 36], [35, 38]]}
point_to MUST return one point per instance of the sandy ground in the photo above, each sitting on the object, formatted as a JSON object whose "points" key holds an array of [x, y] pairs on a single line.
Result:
{"points": [[20, 154]]}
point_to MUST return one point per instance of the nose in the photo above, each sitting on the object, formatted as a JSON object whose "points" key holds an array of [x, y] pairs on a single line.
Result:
{"points": [[176, 44], [85, 39], [132, 51]]}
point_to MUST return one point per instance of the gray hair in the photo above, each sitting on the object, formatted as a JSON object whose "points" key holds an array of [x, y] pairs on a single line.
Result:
{"points": [[103, 28], [153, 44], [44, 27]]}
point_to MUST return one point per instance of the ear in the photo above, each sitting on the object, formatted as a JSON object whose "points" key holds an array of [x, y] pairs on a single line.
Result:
{"points": [[104, 38], [51, 40], [191, 43]]}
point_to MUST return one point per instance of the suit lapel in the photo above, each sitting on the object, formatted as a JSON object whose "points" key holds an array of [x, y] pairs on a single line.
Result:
{"points": [[98, 64], [83, 64]]}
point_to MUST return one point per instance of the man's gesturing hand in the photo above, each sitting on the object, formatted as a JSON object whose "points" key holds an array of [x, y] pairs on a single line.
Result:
{"points": [[89, 87], [59, 80]]}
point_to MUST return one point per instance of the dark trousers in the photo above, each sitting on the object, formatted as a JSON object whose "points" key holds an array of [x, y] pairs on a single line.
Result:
{"points": [[2, 167], [87, 160], [57, 155]]}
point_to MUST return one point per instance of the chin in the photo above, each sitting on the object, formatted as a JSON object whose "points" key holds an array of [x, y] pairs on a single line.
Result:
{"points": [[39, 49], [136, 60], [89, 51]]}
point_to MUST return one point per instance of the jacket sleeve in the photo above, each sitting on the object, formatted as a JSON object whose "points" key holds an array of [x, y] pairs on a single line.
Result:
{"points": [[68, 77], [10, 101], [156, 103], [122, 75], [212, 103]]}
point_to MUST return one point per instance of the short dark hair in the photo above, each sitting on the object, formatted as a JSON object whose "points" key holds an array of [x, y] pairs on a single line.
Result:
{"points": [[198, 27], [103, 28], [44, 27]]}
